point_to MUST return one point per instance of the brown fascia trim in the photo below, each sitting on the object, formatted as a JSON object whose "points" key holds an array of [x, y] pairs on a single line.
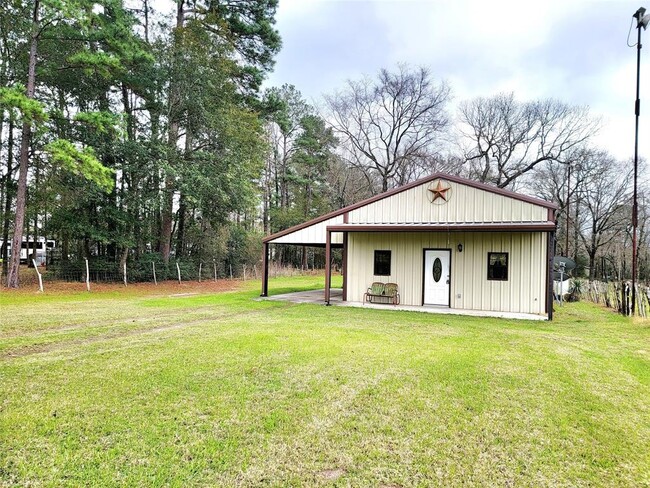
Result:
{"points": [[421, 181], [509, 227], [551, 214], [322, 246]]}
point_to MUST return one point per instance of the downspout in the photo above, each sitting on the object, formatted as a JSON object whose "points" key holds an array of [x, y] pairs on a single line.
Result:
{"points": [[550, 251]]}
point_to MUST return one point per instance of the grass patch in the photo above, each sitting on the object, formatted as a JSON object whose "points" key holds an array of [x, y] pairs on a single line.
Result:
{"points": [[134, 388]]}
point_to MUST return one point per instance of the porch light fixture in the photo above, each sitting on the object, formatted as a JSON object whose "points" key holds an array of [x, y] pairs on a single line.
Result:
{"points": [[460, 247]]}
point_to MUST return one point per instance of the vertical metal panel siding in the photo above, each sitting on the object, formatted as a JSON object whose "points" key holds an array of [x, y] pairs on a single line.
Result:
{"points": [[466, 204], [525, 290]]}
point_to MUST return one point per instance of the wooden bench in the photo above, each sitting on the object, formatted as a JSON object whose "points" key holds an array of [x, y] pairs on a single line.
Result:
{"points": [[382, 293]]}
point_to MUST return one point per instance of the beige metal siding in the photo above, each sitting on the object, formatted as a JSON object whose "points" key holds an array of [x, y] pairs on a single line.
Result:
{"points": [[466, 204], [525, 290], [314, 234]]}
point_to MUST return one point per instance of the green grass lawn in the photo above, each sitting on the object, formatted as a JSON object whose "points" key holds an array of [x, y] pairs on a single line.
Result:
{"points": [[140, 390]]}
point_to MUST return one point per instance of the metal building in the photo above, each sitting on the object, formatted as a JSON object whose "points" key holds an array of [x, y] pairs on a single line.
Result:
{"points": [[445, 241]]}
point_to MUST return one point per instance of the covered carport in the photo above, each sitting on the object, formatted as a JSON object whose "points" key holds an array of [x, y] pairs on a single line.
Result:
{"points": [[313, 233]]}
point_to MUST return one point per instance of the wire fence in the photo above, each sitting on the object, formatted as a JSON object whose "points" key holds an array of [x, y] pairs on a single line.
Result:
{"points": [[151, 271], [618, 296]]}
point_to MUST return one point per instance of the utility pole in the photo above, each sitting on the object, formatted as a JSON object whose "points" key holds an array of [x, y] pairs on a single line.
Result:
{"points": [[568, 214], [642, 20]]}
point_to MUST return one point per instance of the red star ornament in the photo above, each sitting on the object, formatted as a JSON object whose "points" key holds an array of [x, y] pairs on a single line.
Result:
{"points": [[439, 192]]}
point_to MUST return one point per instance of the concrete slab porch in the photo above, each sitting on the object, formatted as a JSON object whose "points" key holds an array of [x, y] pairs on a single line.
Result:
{"points": [[336, 298]]}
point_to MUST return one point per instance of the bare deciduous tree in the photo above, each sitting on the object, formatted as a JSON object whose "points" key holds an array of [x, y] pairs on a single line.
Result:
{"points": [[605, 204], [562, 183], [505, 139], [388, 125]]}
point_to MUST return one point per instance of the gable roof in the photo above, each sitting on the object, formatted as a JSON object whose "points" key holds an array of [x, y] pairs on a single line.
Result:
{"points": [[421, 181]]}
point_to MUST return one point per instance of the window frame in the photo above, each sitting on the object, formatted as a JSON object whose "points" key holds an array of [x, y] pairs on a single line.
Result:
{"points": [[507, 265], [377, 253]]}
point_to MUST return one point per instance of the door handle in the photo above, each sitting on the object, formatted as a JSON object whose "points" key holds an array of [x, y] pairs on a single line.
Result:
{"points": [[447, 279]]}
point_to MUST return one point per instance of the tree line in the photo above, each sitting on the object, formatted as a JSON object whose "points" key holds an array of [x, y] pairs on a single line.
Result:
{"points": [[126, 134]]}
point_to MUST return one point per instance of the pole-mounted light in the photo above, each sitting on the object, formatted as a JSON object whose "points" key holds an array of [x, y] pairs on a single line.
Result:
{"points": [[642, 20]]}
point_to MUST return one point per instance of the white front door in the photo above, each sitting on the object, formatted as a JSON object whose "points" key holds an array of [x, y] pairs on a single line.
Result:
{"points": [[437, 276]]}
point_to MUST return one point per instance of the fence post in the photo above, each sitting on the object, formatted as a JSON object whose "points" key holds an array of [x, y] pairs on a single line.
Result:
{"points": [[87, 275], [40, 278], [231, 271], [214, 263], [125, 273], [153, 266], [200, 266], [178, 268]]}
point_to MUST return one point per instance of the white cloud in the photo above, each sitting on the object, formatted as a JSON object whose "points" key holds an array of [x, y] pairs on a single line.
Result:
{"points": [[573, 51]]}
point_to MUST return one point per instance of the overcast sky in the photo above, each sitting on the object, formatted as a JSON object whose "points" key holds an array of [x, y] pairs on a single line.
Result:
{"points": [[575, 51]]}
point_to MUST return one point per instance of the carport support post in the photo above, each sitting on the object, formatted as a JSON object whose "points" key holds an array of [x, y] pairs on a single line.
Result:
{"points": [[328, 266], [265, 267], [345, 266]]}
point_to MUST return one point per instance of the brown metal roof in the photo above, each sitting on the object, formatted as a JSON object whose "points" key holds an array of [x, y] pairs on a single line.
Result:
{"points": [[421, 181]]}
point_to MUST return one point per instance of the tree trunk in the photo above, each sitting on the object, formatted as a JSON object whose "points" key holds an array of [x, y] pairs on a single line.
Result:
{"points": [[124, 257], [167, 219], [129, 190], [65, 247], [180, 228], [8, 197], [155, 126], [146, 20], [592, 265], [32, 258], [592, 250], [267, 199], [172, 139], [13, 280]]}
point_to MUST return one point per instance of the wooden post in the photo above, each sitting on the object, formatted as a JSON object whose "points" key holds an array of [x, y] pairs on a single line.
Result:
{"points": [[178, 269], [40, 278], [200, 266], [344, 271], [328, 266], [231, 271], [214, 265], [125, 274], [153, 267], [265, 270], [87, 276]]}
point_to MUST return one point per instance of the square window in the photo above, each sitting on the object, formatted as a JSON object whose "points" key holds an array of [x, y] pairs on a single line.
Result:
{"points": [[382, 263], [497, 266]]}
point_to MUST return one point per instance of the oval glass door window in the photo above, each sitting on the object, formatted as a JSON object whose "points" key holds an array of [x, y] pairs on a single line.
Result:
{"points": [[437, 270]]}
